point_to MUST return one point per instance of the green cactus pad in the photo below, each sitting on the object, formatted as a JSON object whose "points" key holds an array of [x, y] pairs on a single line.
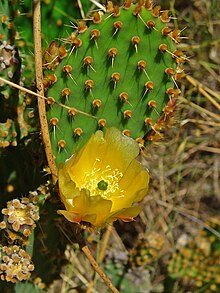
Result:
{"points": [[6, 21], [12, 124], [119, 72]]}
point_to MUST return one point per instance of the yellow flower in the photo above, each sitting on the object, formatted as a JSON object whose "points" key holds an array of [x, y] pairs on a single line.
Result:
{"points": [[101, 183]]}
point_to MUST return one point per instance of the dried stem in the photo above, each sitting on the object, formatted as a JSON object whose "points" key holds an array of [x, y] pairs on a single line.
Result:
{"points": [[40, 87], [105, 243], [203, 90], [201, 109], [101, 255], [97, 268], [24, 89], [186, 213]]}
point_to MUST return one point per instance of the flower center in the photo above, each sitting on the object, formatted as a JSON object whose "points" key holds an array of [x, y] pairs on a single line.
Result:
{"points": [[103, 181], [20, 215], [102, 185]]}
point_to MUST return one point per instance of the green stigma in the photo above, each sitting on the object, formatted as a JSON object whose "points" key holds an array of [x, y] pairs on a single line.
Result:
{"points": [[102, 185]]}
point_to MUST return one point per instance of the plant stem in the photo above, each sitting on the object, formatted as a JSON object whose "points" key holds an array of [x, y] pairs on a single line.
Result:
{"points": [[104, 244], [97, 268], [201, 89], [40, 87]]}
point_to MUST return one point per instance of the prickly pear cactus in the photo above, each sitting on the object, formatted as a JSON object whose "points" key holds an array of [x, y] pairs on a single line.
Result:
{"points": [[197, 263], [120, 71], [12, 124], [6, 23], [31, 228], [147, 250]]}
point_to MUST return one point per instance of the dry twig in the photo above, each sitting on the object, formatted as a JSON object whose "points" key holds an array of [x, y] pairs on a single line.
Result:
{"points": [[40, 87]]}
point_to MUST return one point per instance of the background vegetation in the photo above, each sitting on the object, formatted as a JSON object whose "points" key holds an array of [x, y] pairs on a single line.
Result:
{"points": [[173, 246]]}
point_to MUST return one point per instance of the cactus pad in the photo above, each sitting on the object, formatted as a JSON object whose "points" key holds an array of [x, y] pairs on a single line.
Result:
{"points": [[197, 263], [120, 71]]}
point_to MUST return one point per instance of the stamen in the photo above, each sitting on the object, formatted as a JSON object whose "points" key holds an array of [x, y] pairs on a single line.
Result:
{"points": [[102, 182]]}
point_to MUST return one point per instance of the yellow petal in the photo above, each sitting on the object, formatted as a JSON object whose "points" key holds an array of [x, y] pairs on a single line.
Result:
{"points": [[100, 207], [94, 210], [114, 150], [110, 159], [87, 159], [134, 186], [70, 216], [67, 188], [120, 150], [127, 215]]}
